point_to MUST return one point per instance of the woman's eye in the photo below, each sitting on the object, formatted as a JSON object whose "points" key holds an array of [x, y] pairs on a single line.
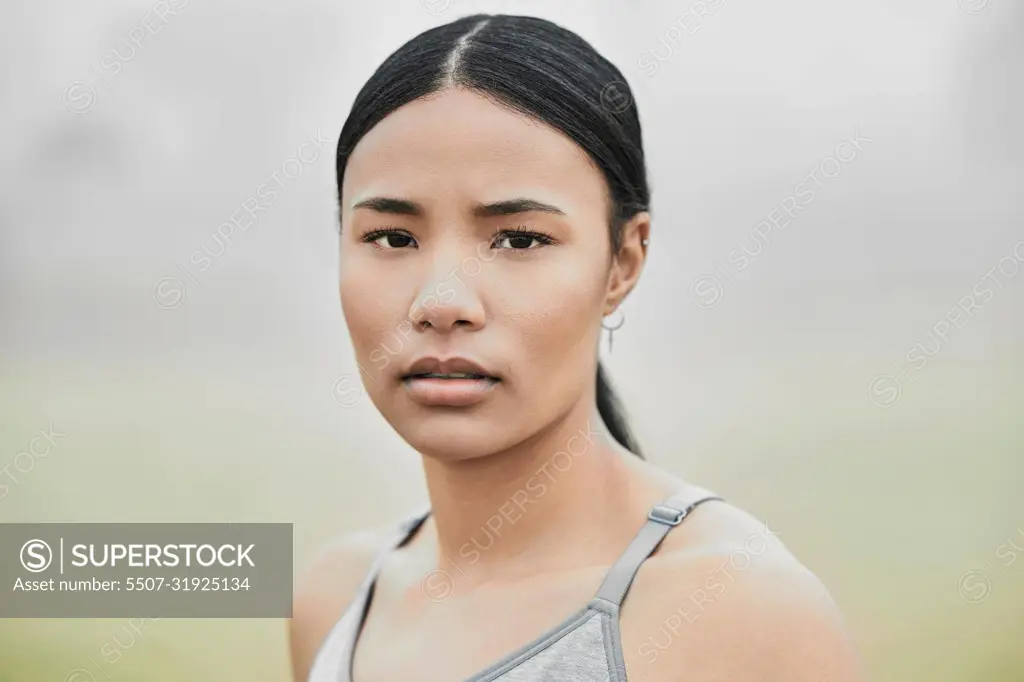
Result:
{"points": [[520, 241], [389, 240]]}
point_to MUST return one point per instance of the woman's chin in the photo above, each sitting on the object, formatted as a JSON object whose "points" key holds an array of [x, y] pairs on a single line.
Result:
{"points": [[454, 437]]}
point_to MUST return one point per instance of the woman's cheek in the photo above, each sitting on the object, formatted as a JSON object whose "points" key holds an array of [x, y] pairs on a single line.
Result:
{"points": [[552, 312], [554, 334], [550, 361], [373, 320]]}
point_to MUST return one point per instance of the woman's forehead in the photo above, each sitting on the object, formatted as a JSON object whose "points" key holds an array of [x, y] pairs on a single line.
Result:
{"points": [[460, 134]]}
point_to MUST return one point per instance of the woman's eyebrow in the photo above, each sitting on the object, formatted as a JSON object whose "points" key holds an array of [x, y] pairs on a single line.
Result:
{"points": [[405, 207], [390, 205], [514, 206]]}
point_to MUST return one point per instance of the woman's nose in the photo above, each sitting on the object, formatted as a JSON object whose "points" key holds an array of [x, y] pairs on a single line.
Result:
{"points": [[447, 301]]}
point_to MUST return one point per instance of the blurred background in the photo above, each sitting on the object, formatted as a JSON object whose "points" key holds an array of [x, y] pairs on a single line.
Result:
{"points": [[853, 375]]}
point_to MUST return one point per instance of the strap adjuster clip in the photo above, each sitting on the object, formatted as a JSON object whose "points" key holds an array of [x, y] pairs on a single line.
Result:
{"points": [[667, 515]]}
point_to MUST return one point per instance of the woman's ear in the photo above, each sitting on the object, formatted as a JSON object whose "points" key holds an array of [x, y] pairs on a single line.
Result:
{"points": [[628, 263]]}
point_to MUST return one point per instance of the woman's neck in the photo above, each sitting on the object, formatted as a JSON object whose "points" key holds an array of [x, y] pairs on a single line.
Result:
{"points": [[535, 508]]}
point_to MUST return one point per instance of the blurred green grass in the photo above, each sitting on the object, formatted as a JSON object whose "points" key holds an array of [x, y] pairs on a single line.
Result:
{"points": [[889, 507]]}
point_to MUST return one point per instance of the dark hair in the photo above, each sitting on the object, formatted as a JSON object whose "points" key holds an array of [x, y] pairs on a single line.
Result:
{"points": [[539, 69]]}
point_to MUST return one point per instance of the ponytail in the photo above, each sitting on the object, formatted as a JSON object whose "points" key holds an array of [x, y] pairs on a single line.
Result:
{"points": [[610, 409]]}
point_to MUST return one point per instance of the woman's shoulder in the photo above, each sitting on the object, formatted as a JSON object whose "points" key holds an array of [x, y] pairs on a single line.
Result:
{"points": [[723, 598], [327, 585]]}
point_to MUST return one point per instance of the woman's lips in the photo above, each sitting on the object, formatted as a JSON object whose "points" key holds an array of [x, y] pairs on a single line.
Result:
{"points": [[455, 392]]}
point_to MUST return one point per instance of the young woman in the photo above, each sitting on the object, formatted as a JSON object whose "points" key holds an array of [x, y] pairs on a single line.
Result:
{"points": [[494, 209]]}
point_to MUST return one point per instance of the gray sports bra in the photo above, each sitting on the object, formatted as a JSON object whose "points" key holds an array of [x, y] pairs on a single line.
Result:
{"points": [[585, 647]]}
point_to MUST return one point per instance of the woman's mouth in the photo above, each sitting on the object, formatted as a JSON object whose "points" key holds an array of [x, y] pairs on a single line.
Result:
{"points": [[450, 389]]}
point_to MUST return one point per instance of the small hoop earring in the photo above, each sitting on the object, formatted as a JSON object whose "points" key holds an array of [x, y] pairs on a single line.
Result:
{"points": [[612, 329]]}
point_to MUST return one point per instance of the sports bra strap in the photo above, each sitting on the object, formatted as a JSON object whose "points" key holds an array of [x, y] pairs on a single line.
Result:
{"points": [[660, 520]]}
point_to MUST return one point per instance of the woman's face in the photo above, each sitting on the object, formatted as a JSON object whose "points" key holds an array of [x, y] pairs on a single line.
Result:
{"points": [[475, 242]]}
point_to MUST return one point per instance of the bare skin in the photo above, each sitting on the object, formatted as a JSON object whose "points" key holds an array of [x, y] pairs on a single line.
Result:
{"points": [[721, 599]]}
